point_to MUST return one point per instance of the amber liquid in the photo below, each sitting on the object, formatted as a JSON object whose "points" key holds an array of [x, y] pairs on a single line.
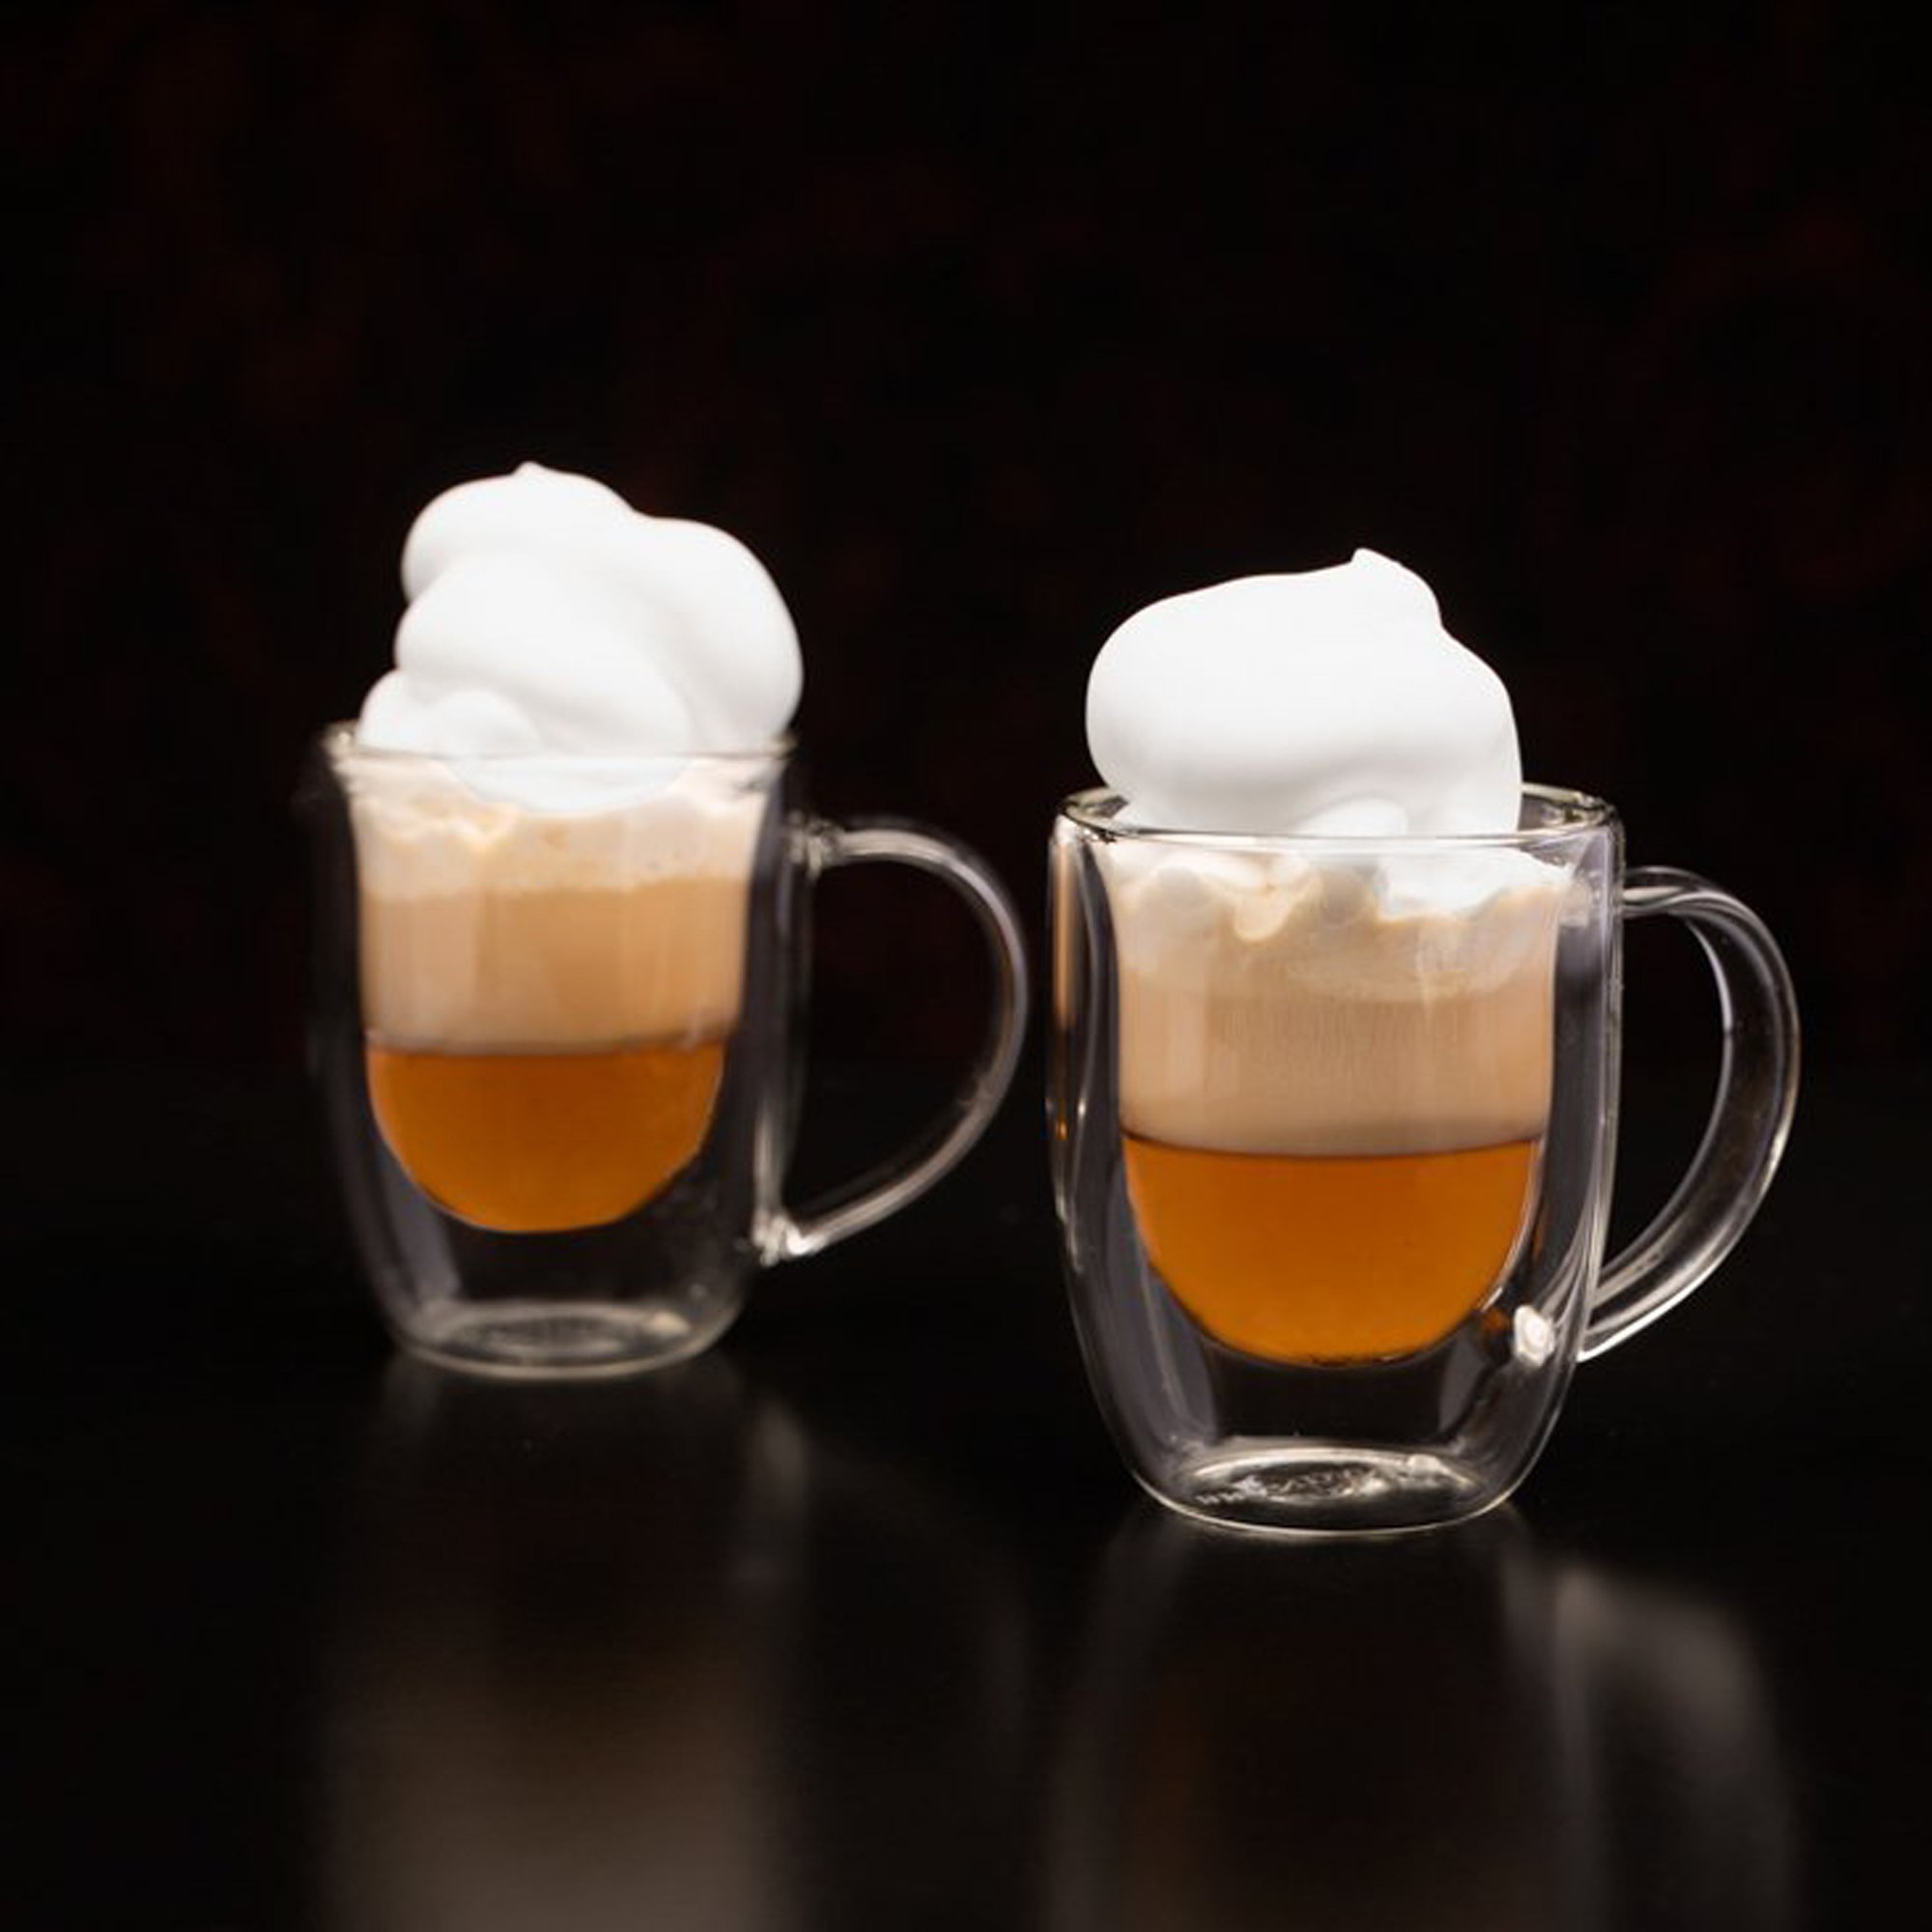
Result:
{"points": [[1330, 1258], [539, 1142]]}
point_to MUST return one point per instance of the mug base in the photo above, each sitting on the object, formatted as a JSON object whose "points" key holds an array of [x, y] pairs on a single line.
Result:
{"points": [[551, 1340], [1326, 1489]]}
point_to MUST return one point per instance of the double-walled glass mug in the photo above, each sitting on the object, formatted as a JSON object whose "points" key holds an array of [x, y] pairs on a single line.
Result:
{"points": [[558, 1018], [1333, 1122]]}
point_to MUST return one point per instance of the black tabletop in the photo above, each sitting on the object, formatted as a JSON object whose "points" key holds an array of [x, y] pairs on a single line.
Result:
{"points": [[857, 1622]]}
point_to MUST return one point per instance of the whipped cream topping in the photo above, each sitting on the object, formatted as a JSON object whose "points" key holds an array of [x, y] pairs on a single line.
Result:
{"points": [[547, 616], [1326, 703]]}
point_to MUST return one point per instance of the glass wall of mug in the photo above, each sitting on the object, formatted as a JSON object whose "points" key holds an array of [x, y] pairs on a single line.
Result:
{"points": [[1332, 1126], [558, 1027]]}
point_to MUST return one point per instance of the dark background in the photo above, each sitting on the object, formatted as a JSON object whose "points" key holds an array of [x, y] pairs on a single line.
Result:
{"points": [[982, 329]]}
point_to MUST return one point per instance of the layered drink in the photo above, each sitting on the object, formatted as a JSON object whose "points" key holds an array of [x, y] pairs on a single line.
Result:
{"points": [[556, 799], [1335, 1039], [547, 997]]}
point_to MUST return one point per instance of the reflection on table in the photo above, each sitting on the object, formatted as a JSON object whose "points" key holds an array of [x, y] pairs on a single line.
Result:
{"points": [[1462, 1729], [590, 1664]]}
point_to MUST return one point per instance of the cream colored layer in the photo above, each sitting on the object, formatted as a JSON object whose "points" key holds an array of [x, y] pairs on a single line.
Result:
{"points": [[1269, 1006], [490, 926], [535, 970]]}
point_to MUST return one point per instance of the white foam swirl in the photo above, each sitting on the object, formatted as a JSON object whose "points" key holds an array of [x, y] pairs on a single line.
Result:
{"points": [[547, 616], [1328, 702]]}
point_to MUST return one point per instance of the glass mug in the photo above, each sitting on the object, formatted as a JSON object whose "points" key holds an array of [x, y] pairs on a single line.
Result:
{"points": [[1333, 1124], [559, 1030]]}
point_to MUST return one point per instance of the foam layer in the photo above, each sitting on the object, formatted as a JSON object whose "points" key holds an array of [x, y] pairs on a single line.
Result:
{"points": [[1271, 1005], [1328, 702], [489, 926], [426, 826]]}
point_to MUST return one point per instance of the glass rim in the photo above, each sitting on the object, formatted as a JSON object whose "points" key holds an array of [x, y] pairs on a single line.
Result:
{"points": [[1571, 814], [343, 739]]}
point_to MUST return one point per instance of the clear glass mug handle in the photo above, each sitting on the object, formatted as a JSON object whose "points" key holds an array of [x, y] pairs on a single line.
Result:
{"points": [[1751, 1116], [790, 1233]]}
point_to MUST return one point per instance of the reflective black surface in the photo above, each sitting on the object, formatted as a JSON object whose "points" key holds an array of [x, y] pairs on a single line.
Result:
{"points": [[857, 1623]]}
